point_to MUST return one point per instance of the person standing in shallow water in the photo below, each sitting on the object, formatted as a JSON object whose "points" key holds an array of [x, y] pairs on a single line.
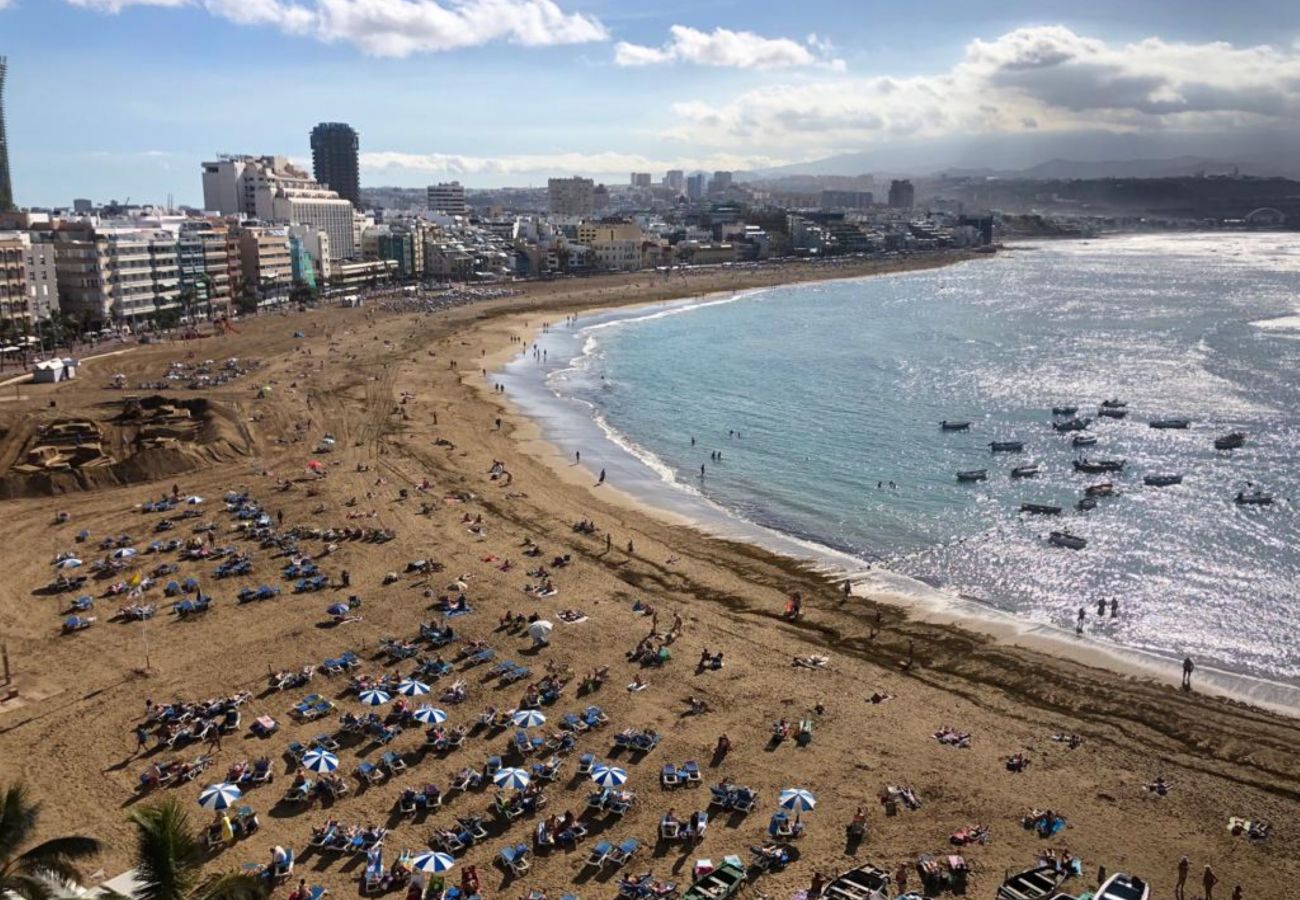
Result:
{"points": [[1188, 668], [602, 477]]}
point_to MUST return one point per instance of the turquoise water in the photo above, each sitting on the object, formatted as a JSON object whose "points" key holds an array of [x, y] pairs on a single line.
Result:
{"points": [[820, 397]]}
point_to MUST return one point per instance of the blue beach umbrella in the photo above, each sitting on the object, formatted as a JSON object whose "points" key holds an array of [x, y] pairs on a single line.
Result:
{"points": [[429, 715], [512, 778], [797, 800], [216, 797], [320, 761], [412, 688], [433, 863], [528, 718], [609, 776], [337, 609], [374, 697]]}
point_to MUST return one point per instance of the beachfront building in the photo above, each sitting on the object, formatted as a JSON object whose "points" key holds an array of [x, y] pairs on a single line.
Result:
{"points": [[203, 262], [571, 196], [316, 244], [267, 263], [447, 198], [15, 301], [271, 189], [366, 273], [615, 246], [42, 280], [110, 274]]}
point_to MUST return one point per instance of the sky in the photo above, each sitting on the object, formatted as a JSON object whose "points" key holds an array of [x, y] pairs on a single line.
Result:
{"points": [[117, 99]]}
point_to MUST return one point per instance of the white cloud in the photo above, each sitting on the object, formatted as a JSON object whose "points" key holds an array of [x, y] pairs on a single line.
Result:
{"points": [[399, 28], [732, 49], [616, 164], [1044, 78]]}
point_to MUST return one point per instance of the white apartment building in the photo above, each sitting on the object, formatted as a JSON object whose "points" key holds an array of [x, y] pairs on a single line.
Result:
{"points": [[271, 189], [110, 274], [616, 247], [448, 198], [42, 280]]}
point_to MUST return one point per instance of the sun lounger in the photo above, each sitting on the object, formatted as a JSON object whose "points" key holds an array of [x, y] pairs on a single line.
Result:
{"points": [[622, 853], [668, 776], [392, 762], [586, 763], [516, 859], [599, 853], [690, 772], [370, 773]]}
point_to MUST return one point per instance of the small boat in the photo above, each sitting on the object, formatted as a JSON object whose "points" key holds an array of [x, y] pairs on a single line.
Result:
{"points": [[1067, 540], [1105, 489], [1084, 440], [1254, 497], [1114, 404], [1075, 424], [1162, 480], [1045, 509], [1086, 504], [1028, 471], [866, 882], [1033, 884], [1100, 465], [1170, 423], [954, 425], [1230, 441], [1112, 413], [1064, 410], [973, 475], [1124, 887], [1006, 446]]}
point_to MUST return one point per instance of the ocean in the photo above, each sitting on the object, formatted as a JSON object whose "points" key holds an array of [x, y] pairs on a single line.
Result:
{"points": [[824, 401]]}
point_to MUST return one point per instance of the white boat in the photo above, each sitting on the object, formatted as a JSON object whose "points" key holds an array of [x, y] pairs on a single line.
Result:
{"points": [[1124, 887], [1033, 884]]}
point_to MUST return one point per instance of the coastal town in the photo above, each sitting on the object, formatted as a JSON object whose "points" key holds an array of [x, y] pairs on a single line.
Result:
{"points": [[302, 600]]}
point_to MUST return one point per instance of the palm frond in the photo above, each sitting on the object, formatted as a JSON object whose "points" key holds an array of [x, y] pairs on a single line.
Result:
{"points": [[27, 887], [54, 869], [167, 853], [230, 886], [66, 849], [18, 817]]}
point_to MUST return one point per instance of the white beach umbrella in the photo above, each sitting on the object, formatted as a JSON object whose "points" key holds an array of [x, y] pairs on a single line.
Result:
{"points": [[125, 553], [512, 778], [70, 563], [433, 863], [217, 797], [429, 715], [609, 776], [374, 697], [194, 500], [796, 799], [318, 760], [529, 718], [540, 630], [412, 688]]}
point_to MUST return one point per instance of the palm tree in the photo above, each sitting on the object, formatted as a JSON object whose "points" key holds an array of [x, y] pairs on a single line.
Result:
{"points": [[33, 874], [169, 860]]}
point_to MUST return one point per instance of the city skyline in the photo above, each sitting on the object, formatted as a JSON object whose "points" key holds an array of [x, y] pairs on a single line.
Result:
{"points": [[513, 92]]}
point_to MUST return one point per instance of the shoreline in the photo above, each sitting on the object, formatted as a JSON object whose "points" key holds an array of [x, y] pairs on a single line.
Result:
{"points": [[668, 499]]}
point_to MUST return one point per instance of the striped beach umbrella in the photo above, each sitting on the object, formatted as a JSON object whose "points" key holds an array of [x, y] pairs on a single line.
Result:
{"points": [[797, 800], [412, 688], [429, 715], [374, 697], [512, 778], [216, 797], [433, 863], [318, 760], [528, 718], [609, 776]]}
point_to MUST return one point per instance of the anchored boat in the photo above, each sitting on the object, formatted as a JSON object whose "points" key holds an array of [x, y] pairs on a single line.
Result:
{"points": [[1045, 509], [1067, 540], [973, 475], [1075, 424], [1162, 480], [1025, 471], [1006, 446], [1098, 465], [1064, 410], [1255, 497], [1170, 423], [1084, 440], [954, 425], [1230, 441]]}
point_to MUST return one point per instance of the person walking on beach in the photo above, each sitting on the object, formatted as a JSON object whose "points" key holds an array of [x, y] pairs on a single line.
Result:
{"points": [[1101, 607], [141, 738], [1114, 607], [1078, 628], [1208, 881], [577, 457], [1188, 668], [701, 470], [602, 477], [1184, 866]]}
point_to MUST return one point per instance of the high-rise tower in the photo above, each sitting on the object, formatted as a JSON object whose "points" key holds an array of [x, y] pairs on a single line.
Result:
{"points": [[334, 148], [6, 186]]}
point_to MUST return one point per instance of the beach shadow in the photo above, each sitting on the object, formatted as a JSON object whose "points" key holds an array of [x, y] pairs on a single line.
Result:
{"points": [[853, 841], [718, 756]]}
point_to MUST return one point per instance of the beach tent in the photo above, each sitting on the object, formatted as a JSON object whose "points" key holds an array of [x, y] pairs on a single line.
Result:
{"points": [[54, 370]]}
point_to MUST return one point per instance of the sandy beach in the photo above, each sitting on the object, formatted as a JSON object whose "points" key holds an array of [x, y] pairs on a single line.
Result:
{"points": [[404, 397]]}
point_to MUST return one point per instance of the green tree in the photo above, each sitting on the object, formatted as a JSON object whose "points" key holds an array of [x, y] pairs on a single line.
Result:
{"points": [[169, 860], [33, 873]]}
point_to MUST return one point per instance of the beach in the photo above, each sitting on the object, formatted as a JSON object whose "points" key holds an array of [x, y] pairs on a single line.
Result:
{"points": [[406, 400]]}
